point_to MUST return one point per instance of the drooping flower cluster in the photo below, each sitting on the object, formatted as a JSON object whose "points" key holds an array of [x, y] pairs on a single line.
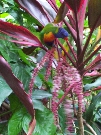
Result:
{"points": [[73, 84], [49, 67], [57, 85], [39, 66], [69, 112]]}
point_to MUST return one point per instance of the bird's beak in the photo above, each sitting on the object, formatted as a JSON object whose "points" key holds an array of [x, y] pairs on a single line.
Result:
{"points": [[66, 39]]}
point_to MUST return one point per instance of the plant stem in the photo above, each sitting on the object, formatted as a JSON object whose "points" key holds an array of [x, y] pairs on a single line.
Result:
{"points": [[72, 51], [91, 129], [67, 54], [80, 120]]}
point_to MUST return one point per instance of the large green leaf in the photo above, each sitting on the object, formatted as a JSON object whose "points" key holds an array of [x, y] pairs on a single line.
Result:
{"points": [[38, 105], [7, 50], [36, 96], [40, 94], [14, 102], [44, 123], [5, 90], [25, 122], [91, 85], [22, 72], [15, 123], [94, 13], [20, 118], [89, 113]]}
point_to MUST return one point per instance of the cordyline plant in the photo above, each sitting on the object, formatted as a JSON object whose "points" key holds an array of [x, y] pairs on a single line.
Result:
{"points": [[70, 66]]}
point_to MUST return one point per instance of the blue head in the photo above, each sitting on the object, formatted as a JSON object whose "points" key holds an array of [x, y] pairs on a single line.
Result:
{"points": [[62, 33]]}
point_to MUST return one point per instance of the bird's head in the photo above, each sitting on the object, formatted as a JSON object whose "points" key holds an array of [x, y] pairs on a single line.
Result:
{"points": [[62, 33]]}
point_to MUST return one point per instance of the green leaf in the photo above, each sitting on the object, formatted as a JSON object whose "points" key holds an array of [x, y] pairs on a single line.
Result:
{"points": [[38, 82], [89, 113], [44, 123], [15, 106], [25, 122], [4, 15], [15, 123], [60, 94], [17, 15], [40, 94], [5, 90], [22, 72], [38, 105], [62, 118], [94, 13], [14, 102], [8, 50], [3, 128], [96, 128], [95, 84], [10, 1], [24, 57]]}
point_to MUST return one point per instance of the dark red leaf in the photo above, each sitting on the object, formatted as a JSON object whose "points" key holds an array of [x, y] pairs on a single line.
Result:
{"points": [[74, 5], [94, 13], [22, 35], [16, 85], [35, 9], [61, 13], [93, 64], [81, 17]]}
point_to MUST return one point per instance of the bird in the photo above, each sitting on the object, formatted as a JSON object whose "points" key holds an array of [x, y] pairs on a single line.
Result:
{"points": [[50, 32]]}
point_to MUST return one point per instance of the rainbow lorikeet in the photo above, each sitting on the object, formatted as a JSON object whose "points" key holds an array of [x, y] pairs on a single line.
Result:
{"points": [[50, 33]]}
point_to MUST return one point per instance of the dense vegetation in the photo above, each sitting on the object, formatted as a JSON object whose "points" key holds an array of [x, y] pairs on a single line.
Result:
{"points": [[50, 67]]}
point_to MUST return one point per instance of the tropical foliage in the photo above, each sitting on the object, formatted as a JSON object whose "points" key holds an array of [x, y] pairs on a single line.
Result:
{"points": [[50, 67]]}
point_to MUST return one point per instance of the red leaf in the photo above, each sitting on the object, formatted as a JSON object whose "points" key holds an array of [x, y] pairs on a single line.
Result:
{"points": [[74, 5], [61, 13], [93, 64], [81, 17], [22, 35], [16, 85], [35, 9], [94, 13]]}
